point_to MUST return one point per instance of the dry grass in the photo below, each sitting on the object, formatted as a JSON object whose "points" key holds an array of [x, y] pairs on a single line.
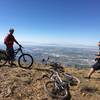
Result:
{"points": [[20, 84]]}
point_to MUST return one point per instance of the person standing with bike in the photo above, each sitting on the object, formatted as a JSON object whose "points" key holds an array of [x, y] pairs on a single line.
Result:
{"points": [[96, 66], [9, 42]]}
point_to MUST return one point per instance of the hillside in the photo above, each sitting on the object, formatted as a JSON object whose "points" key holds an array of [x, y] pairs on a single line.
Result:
{"points": [[21, 84]]}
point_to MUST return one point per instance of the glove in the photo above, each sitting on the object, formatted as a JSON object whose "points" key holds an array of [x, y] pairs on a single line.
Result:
{"points": [[20, 45]]}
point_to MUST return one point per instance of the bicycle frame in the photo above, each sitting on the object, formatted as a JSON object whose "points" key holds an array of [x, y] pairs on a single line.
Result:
{"points": [[55, 77], [16, 51], [58, 81]]}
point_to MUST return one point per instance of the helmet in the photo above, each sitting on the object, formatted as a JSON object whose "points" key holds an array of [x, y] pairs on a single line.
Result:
{"points": [[11, 30]]}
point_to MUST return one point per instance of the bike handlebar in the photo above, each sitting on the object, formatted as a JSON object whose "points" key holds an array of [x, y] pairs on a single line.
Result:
{"points": [[20, 46], [54, 65]]}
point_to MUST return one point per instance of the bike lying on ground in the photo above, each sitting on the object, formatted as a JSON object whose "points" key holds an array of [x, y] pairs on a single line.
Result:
{"points": [[58, 88], [24, 60]]}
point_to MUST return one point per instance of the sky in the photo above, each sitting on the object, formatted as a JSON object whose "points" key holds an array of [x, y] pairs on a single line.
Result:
{"points": [[51, 21]]}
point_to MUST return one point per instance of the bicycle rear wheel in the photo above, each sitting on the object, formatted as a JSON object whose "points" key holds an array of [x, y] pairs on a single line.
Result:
{"points": [[72, 80], [55, 92], [25, 61], [3, 58]]}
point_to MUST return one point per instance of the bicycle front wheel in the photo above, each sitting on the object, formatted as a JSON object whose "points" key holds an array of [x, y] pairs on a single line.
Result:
{"points": [[55, 92], [3, 58], [25, 61]]}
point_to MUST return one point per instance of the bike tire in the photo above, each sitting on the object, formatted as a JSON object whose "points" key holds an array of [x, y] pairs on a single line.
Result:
{"points": [[72, 80], [54, 91], [3, 58], [25, 61]]}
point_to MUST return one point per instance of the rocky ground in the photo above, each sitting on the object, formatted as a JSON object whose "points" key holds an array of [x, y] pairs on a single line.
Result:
{"points": [[23, 84]]}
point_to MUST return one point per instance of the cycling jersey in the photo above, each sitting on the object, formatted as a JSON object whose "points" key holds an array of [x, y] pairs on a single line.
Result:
{"points": [[9, 40]]}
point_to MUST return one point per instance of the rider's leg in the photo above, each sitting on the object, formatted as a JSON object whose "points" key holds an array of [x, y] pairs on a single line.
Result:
{"points": [[12, 56], [92, 70], [95, 67], [8, 55]]}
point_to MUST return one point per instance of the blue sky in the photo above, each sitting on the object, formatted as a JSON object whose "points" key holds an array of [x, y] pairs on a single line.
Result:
{"points": [[51, 21]]}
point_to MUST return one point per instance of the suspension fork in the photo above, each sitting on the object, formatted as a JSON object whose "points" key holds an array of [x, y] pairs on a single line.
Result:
{"points": [[22, 54]]}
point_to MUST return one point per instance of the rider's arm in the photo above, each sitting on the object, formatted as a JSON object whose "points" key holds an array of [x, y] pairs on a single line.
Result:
{"points": [[97, 56], [99, 44], [16, 42]]}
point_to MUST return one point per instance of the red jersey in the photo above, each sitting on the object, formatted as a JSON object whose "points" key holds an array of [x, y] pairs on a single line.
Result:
{"points": [[9, 40]]}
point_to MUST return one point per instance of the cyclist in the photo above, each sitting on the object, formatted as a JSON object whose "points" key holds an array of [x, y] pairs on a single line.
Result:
{"points": [[9, 42], [96, 66]]}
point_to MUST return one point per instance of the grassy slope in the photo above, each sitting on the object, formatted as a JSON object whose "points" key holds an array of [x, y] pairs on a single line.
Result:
{"points": [[20, 84]]}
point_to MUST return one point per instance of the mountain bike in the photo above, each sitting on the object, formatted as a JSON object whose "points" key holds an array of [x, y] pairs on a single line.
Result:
{"points": [[25, 60], [57, 87]]}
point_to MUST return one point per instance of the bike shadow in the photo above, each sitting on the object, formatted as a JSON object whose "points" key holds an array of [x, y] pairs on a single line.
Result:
{"points": [[12, 66]]}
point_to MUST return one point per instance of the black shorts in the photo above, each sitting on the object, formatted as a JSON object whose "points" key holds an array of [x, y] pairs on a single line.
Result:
{"points": [[10, 53], [96, 66]]}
